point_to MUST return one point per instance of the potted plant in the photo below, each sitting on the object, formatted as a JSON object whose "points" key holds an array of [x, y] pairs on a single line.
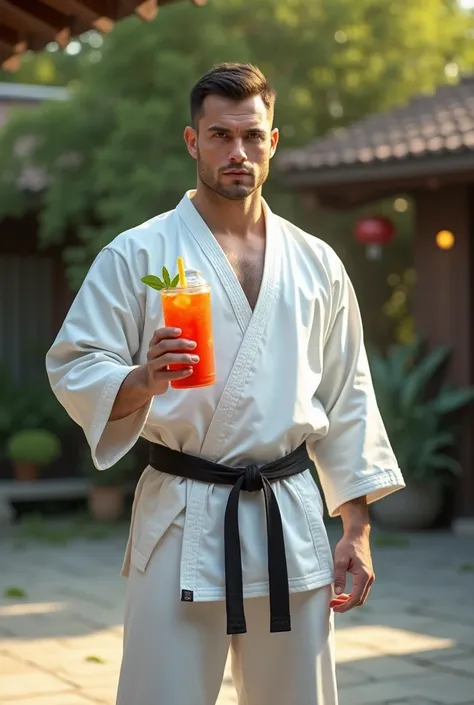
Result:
{"points": [[419, 413], [106, 491], [30, 450]]}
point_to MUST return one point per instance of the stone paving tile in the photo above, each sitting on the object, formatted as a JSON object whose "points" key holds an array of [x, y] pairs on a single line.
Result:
{"points": [[445, 688], [372, 693], [389, 640], [386, 667], [443, 656], [463, 665], [461, 633], [347, 675], [12, 666], [409, 645], [412, 701], [31, 682], [70, 698], [441, 689]]}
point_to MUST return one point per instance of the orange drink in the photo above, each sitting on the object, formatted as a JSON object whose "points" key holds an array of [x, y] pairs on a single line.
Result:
{"points": [[189, 308]]}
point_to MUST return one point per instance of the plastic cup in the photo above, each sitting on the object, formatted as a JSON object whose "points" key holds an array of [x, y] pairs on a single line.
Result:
{"points": [[189, 308]]}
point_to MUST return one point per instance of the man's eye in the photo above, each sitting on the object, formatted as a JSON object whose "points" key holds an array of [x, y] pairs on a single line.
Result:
{"points": [[220, 134], [256, 136]]}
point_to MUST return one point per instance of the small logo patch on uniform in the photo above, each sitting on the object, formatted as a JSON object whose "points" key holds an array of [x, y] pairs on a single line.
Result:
{"points": [[187, 596]]}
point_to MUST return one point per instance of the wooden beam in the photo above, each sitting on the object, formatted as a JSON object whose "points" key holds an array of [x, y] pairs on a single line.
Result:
{"points": [[99, 8], [85, 17], [10, 37], [5, 50], [443, 301], [37, 14], [38, 18]]}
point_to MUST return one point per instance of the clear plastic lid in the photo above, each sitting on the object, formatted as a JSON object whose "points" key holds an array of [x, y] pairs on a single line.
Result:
{"points": [[195, 280]]}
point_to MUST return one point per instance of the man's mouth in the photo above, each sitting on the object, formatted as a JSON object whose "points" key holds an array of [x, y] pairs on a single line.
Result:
{"points": [[237, 172]]}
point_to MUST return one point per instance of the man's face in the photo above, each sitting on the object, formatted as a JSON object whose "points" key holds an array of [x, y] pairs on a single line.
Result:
{"points": [[233, 143]]}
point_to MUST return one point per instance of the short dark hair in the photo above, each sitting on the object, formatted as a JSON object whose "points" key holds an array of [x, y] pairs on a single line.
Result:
{"points": [[234, 81]]}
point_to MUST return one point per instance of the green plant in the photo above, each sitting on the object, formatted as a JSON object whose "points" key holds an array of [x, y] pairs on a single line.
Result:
{"points": [[159, 284], [419, 410], [29, 406], [13, 592], [116, 475], [34, 446]]}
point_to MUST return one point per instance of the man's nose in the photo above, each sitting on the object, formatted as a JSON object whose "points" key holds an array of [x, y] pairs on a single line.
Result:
{"points": [[237, 153]]}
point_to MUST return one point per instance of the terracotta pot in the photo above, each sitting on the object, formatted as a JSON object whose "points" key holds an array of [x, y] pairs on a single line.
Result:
{"points": [[412, 509], [25, 472], [106, 503]]}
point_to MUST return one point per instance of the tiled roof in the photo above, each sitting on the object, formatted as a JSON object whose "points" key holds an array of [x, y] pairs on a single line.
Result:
{"points": [[433, 125]]}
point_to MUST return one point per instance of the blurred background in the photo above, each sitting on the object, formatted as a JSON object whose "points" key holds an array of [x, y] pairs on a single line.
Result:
{"points": [[376, 112]]}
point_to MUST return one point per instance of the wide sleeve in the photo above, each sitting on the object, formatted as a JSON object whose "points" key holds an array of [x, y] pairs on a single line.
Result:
{"points": [[94, 352], [354, 458]]}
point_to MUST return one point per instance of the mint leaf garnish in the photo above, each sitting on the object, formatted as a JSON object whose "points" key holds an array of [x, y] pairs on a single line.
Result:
{"points": [[154, 282]]}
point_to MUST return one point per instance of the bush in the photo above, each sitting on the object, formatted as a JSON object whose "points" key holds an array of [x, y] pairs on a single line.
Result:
{"points": [[34, 446], [419, 410]]}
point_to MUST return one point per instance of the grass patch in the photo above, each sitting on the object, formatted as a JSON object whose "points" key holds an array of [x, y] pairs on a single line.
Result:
{"points": [[466, 568], [14, 592], [386, 540]]}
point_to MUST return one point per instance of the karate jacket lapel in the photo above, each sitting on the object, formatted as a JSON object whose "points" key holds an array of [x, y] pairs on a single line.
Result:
{"points": [[252, 324]]}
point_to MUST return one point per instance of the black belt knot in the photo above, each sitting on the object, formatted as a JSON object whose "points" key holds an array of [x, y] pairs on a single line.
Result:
{"points": [[250, 479], [253, 481]]}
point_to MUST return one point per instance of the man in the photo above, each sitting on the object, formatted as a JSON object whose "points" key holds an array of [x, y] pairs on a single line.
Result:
{"points": [[292, 378]]}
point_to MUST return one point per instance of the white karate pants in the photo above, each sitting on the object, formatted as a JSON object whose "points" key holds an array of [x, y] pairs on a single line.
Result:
{"points": [[175, 652]]}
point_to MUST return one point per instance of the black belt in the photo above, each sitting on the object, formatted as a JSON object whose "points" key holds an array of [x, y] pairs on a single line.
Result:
{"points": [[249, 479]]}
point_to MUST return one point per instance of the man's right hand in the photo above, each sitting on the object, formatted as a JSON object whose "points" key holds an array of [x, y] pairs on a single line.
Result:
{"points": [[153, 378], [166, 348]]}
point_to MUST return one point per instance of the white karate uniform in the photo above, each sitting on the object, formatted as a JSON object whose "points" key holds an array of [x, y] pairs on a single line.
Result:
{"points": [[293, 370]]}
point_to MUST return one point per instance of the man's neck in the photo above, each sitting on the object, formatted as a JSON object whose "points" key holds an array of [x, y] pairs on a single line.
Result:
{"points": [[227, 217]]}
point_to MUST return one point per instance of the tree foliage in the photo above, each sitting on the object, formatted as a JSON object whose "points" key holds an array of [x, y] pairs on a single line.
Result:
{"points": [[113, 154]]}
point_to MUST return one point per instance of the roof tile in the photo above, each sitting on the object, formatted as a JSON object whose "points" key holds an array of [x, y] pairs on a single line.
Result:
{"points": [[443, 122]]}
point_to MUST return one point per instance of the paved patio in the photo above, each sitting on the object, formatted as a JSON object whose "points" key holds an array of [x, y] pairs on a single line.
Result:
{"points": [[412, 644]]}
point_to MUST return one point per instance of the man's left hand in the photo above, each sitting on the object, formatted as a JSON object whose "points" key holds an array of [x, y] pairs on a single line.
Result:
{"points": [[352, 555]]}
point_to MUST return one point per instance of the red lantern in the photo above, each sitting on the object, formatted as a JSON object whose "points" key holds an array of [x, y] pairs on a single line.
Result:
{"points": [[374, 232]]}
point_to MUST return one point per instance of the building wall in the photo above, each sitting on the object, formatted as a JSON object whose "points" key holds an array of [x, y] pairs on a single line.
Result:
{"points": [[444, 299]]}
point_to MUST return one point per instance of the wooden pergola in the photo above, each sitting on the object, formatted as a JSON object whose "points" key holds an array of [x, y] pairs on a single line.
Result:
{"points": [[32, 24], [424, 150]]}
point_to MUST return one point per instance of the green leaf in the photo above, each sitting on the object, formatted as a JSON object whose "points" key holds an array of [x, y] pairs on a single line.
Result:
{"points": [[94, 659], [154, 282], [444, 462], [416, 383], [453, 399], [166, 277], [175, 281]]}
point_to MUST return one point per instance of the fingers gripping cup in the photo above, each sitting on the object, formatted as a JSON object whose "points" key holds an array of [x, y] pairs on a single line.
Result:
{"points": [[189, 307]]}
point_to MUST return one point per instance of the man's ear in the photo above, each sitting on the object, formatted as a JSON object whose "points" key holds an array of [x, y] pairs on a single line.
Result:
{"points": [[190, 137], [274, 139]]}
